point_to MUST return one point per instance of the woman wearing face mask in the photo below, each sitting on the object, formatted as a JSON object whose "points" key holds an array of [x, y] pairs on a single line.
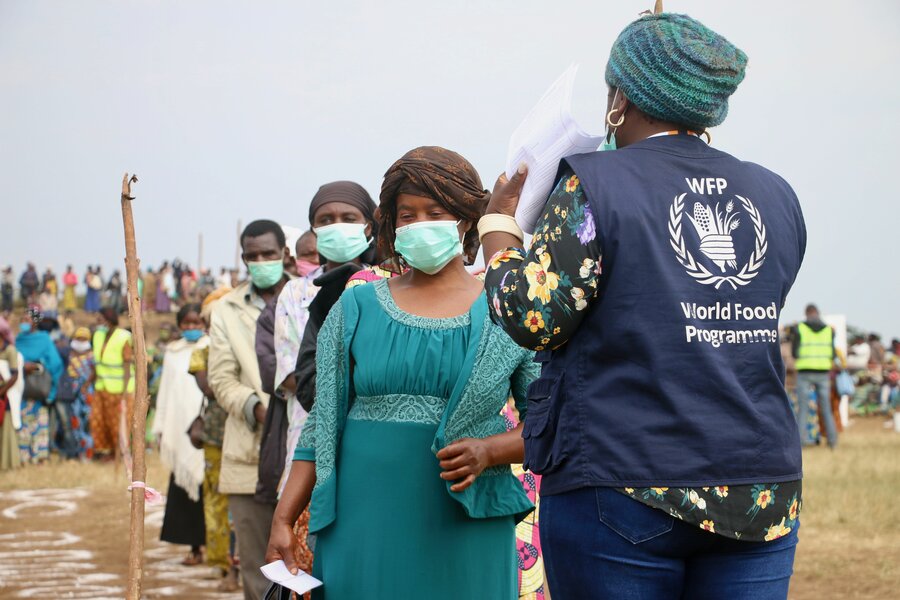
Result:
{"points": [[405, 455], [177, 405], [78, 377], [669, 455], [40, 354]]}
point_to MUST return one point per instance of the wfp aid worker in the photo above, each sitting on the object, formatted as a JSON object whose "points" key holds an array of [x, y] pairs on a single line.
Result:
{"points": [[114, 383], [813, 349], [652, 289]]}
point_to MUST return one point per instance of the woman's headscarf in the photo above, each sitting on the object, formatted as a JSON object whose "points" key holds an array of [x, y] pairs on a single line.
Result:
{"points": [[442, 175]]}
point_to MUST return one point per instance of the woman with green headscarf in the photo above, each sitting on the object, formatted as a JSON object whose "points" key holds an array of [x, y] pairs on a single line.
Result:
{"points": [[669, 455]]}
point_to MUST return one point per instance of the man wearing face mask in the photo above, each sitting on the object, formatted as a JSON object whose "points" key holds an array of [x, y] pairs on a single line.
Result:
{"points": [[342, 215], [234, 376]]}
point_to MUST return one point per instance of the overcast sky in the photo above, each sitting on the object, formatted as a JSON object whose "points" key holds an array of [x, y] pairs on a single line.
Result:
{"points": [[233, 111]]}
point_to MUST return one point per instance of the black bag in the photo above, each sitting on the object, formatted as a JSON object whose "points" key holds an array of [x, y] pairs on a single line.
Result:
{"points": [[38, 385], [196, 431], [277, 592], [67, 388]]}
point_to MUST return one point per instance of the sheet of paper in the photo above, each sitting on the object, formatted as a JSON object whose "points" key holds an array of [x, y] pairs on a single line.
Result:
{"points": [[548, 134], [278, 572]]}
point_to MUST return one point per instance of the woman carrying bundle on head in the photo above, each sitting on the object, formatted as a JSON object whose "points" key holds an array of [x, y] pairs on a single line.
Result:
{"points": [[405, 457]]}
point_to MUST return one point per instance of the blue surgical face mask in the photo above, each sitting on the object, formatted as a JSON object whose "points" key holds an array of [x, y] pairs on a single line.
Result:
{"points": [[24, 327], [192, 335], [428, 246], [342, 242]]}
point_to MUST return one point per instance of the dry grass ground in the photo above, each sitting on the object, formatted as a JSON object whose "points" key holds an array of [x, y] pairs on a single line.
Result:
{"points": [[850, 525], [849, 539]]}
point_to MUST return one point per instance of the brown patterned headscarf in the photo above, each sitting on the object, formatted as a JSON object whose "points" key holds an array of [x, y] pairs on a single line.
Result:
{"points": [[442, 175]]}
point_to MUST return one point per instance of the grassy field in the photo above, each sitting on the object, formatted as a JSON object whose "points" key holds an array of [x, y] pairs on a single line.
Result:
{"points": [[849, 539], [850, 525]]}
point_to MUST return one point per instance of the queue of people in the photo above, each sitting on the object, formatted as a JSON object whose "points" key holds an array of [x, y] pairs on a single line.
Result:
{"points": [[602, 414]]}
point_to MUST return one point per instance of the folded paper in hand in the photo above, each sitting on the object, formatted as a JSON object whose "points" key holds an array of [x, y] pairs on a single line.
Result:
{"points": [[548, 134], [278, 572]]}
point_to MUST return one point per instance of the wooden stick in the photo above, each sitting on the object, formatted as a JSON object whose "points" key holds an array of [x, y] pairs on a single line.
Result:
{"points": [[141, 399]]}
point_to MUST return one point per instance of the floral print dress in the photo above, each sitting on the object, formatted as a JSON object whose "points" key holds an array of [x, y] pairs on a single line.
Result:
{"points": [[540, 297]]}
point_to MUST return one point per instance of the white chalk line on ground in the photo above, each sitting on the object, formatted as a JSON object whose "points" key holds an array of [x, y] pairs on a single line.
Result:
{"points": [[63, 503], [41, 564], [34, 570]]}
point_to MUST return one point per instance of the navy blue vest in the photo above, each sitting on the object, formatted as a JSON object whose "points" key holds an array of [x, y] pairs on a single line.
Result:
{"points": [[675, 376]]}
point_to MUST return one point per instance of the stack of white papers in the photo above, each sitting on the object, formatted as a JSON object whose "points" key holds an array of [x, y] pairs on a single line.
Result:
{"points": [[278, 572], [548, 134]]}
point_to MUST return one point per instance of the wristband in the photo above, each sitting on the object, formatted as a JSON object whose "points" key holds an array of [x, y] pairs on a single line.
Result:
{"points": [[496, 222]]}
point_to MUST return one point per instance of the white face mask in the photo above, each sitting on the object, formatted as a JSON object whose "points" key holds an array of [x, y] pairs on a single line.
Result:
{"points": [[81, 345]]}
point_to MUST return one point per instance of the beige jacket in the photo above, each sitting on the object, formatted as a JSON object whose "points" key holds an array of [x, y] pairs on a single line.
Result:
{"points": [[234, 377]]}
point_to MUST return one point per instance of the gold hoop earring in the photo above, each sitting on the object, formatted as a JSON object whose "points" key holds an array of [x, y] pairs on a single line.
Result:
{"points": [[708, 137], [617, 123]]}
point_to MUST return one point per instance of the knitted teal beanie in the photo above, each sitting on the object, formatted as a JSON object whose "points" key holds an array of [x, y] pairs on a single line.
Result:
{"points": [[674, 68]]}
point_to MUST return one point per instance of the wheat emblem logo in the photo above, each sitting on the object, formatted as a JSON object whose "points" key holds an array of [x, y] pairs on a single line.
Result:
{"points": [[714, 228]]}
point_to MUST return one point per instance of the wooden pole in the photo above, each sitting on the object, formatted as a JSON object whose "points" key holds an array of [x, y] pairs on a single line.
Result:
{"points": [[141, 399], [199, 253]]}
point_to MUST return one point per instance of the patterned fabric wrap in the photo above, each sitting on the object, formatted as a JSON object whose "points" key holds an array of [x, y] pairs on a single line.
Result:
{"points": [[80, 369], [674, 68], [215, 510], [34, 436], [528, 542]]}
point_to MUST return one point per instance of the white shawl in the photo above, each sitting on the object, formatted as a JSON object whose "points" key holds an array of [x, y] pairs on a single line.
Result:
{"points": [[14, 394], [177, 405]]}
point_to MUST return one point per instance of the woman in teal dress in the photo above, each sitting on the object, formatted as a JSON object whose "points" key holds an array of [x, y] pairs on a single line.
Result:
{"points": [[405, 456]]}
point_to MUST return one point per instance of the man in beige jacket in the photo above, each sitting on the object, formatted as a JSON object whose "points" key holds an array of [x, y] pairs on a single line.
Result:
{"points": [[234, 377]]}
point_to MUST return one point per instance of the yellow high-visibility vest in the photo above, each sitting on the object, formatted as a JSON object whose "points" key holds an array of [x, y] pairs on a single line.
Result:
{"points": [[816, 351], [109, 364]]}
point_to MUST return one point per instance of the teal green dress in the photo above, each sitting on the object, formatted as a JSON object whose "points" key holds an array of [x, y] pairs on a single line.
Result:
{"points": [[398, 533]]}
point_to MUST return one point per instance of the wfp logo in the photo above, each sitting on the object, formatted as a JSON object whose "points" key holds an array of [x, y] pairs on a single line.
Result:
{"points": [[714, 230], [714, 226]]}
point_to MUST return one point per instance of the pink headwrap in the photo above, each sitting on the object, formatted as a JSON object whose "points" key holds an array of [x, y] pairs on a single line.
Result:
{"points": [[6, 331]]}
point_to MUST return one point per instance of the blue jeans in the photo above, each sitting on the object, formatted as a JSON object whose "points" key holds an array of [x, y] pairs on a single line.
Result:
{"points": [[821, 381], [598, 543]]}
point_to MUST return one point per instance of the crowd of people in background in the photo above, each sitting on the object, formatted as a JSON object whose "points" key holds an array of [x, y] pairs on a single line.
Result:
{"points": [[827, 385], [162, 290]]}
